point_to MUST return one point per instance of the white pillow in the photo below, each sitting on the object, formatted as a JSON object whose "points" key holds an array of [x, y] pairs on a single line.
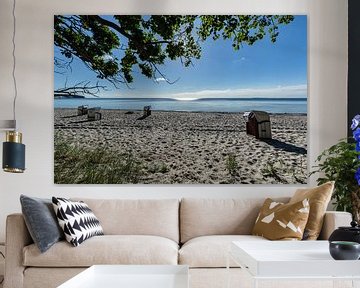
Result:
{"points": [[76, 220]]}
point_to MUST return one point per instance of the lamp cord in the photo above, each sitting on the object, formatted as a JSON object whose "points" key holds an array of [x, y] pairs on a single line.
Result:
{"points": [[14, 60]]}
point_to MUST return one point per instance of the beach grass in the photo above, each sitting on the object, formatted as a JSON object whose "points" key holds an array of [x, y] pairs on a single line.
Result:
{"points": [[158, 168], [277, 170], [231, 164], [77, 165]]}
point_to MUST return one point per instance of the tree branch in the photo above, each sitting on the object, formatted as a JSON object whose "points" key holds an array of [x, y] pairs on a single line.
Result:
{"points": [[83, 88], [112, 25]]}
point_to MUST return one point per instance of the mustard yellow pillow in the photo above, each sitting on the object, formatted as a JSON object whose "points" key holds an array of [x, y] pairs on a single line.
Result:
{"points": [[319, 198], [279, 221]]}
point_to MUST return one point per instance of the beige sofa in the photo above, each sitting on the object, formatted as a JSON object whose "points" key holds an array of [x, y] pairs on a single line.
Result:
{"points": [[194, 232]]}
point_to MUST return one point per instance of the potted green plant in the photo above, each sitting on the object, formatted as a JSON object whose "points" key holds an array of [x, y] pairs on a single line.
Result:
{"points": [[341, 163]]}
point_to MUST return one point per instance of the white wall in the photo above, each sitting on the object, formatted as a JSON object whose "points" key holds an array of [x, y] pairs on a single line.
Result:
{"points": [[327, 59]]}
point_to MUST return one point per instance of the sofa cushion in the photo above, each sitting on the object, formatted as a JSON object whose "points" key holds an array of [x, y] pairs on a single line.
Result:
{"points": [[41, 221], [201, 217], [158, 217], [35, 277], [319, 198], [211, 251], [279, 221], [107, 249], [76, 220]]}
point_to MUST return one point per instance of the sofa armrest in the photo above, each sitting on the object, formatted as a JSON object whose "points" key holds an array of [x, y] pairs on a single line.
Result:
{"points": [[333, 220], [17, 237]]}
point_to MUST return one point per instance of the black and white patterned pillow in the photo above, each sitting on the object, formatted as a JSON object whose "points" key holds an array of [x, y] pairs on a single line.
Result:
{"points": [[77, 220]]}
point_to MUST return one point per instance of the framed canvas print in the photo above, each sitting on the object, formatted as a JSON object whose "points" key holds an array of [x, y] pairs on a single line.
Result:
{"points": [[180, 99]]}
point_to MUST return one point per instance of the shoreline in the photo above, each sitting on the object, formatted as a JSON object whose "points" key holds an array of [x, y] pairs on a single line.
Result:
{"points": [[173, 147], [184, 111]]}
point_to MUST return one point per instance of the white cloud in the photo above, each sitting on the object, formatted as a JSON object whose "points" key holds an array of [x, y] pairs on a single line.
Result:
{"points": [[295, 91], [160, 79], [240, 60]]}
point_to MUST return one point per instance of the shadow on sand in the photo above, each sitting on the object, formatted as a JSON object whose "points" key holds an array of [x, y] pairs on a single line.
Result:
{"points": [[142, 117], [82, 121], [71, 116], [285, 146]]}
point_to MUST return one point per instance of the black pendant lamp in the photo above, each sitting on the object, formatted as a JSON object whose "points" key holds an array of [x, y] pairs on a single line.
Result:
{"points": [[13, 149]]}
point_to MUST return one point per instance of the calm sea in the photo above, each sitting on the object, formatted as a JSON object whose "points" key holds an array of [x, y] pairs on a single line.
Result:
{"points": [[271, 105]]}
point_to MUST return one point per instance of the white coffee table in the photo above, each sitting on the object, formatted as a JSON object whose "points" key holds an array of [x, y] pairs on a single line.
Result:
{"points": [[292, 260], [131, 276]]}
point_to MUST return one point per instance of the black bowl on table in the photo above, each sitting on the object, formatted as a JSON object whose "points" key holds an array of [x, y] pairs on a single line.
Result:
{"points": [[344, 250]]}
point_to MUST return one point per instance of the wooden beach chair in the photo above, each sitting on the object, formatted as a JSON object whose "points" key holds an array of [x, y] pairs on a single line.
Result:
{"points": [[258, 124], [147, 111], [94, 114], [82, 110]]}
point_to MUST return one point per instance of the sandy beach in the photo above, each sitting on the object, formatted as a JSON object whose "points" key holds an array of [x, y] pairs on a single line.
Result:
{"points": [[192, 147]]}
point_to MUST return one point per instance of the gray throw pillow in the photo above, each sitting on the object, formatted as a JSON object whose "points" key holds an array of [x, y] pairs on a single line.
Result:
{"points": [[41, 221]]}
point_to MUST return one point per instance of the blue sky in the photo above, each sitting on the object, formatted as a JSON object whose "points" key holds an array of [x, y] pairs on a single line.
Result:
{"points": [[264, 69]]}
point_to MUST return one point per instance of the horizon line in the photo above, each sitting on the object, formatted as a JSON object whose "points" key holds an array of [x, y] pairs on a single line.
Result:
{"points": [[182, 99]]}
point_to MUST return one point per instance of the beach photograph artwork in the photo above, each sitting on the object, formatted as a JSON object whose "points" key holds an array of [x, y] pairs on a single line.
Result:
{"points": [[180, 99]]}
